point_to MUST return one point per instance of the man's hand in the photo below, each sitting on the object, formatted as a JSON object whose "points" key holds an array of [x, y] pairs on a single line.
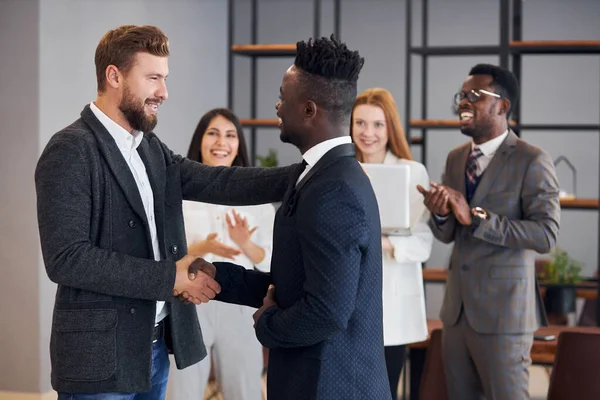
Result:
{"points": [[268, 301], [436, 199], [194, 280], [460, 207]]}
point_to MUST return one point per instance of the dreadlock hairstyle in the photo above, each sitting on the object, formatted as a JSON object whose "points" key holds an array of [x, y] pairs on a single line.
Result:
{"points": [[329, 73]]}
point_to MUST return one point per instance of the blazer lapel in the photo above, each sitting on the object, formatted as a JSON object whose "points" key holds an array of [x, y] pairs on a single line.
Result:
{"points": [[456, 179], [155, 168], [494, 168], [116, 163], [290, 198], [329, 157]]}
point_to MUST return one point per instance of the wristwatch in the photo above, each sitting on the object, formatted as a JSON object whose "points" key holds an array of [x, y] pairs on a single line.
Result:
{"points": [[478, 215]]}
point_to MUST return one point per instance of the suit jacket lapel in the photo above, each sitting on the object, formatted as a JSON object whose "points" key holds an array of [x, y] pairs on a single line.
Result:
{"points": [[329, 157], [116, 163], [289, 201], [494, 168], [457, 175], [154, 162]]}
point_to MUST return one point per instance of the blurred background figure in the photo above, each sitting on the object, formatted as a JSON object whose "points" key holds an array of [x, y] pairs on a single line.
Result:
{"points": [[379, 138], [242, 235]]}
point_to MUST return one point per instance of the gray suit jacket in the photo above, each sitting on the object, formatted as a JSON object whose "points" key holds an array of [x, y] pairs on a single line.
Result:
{"points": [[491, 272], [96, 246]]}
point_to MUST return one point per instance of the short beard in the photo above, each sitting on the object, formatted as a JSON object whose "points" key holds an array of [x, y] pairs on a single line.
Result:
{"points": [[135, 114]]}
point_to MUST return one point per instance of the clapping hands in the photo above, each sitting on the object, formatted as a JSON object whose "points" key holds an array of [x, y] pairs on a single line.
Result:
{"points": [[441, 200]]}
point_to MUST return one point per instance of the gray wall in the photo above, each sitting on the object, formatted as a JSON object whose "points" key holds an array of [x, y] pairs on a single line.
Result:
{"points": [[19, 286], [47, 76], [556, 89]]}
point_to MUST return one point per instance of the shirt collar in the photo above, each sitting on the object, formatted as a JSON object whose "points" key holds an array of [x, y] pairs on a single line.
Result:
{"points": [[489, 148], [314, 154], [125, 141]]}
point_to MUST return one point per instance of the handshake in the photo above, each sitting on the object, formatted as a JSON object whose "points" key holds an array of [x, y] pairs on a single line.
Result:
{"points": [[195, 280]]}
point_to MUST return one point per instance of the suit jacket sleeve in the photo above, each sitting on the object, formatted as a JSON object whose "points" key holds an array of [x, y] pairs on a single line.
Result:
{"points": [[415, 247], [444, 230], [235, 186], [331, 243], [538, 228], [240, 285], [64, 208]]}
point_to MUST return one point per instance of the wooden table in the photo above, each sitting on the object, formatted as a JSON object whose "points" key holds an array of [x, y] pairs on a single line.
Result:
{"points": [[542, 352]]}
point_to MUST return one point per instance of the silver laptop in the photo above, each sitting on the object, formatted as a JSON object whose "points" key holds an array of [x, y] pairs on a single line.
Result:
{"points": [[391, 185]]}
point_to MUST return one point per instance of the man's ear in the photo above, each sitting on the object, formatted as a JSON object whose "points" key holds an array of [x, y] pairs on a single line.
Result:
{"points": [[113, 76], [310, 109], [504, 106]]}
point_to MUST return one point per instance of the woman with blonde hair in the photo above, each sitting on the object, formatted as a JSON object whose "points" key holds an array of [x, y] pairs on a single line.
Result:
{"points": [[379, 139]]}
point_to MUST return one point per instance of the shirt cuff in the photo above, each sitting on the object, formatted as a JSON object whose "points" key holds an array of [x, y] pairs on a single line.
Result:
{"points": [[439, 219]]}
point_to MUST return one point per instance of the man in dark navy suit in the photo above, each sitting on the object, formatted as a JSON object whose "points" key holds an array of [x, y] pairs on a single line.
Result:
{"points": [[322, 321]]}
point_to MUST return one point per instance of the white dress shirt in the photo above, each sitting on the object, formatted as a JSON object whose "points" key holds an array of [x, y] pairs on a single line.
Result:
{"points": [[202, 219], [488, 149], [128, 144], [315, 153]]}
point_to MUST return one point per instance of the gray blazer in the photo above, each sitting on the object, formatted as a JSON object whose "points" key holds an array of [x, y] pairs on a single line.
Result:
{"points": [[96, 246], [491, 271]]}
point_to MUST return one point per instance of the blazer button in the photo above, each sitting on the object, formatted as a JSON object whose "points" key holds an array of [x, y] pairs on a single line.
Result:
{"points": [[174, 249], [132, 310], [131, 223], [464, 267]]}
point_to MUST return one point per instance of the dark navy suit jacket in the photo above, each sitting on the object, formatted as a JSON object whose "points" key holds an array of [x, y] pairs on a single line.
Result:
{"points": [[325, 335]]}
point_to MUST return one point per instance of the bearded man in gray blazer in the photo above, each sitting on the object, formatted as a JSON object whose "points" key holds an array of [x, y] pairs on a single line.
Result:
{"points": [[109, 196], [498, 202]]}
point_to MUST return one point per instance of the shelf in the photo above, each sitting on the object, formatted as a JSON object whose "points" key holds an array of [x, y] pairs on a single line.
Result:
{"points": [[438, 123], [584, 290], [580, 204], [262, 123], [556, 47], [516, 47], [274, 123], [455, 50], [560, 127], [264, 50], [452, 123]]}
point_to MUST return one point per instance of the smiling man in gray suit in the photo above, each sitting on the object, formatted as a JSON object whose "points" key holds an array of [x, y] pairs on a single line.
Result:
{"points": [[109, 196], [499, 204]]}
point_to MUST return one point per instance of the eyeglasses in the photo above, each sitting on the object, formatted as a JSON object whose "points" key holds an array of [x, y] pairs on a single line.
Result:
{"points": [[473, 95]]}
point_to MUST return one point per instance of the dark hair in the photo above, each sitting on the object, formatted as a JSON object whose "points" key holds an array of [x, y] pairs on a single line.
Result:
{"points": [[194, 153], [330, 73], [504, 81], [119, 46]]}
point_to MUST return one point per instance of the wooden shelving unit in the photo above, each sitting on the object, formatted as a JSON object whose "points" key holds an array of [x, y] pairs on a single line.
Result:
{"points": [[255, 50]]}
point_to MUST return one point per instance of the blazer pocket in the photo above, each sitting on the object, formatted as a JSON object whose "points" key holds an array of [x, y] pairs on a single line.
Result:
{"points": [[85, 344], [173, 193], [508, 272]]}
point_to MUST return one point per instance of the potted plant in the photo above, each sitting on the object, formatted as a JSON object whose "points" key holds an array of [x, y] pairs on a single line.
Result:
{"points": [[560, 276], [270, 160]]}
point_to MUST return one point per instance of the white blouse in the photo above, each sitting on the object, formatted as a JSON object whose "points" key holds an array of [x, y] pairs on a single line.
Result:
{"points": [[404, 315], [201, 219]]}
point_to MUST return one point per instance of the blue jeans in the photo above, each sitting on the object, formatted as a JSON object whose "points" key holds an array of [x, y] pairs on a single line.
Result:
{"points": [[160, 374]]}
